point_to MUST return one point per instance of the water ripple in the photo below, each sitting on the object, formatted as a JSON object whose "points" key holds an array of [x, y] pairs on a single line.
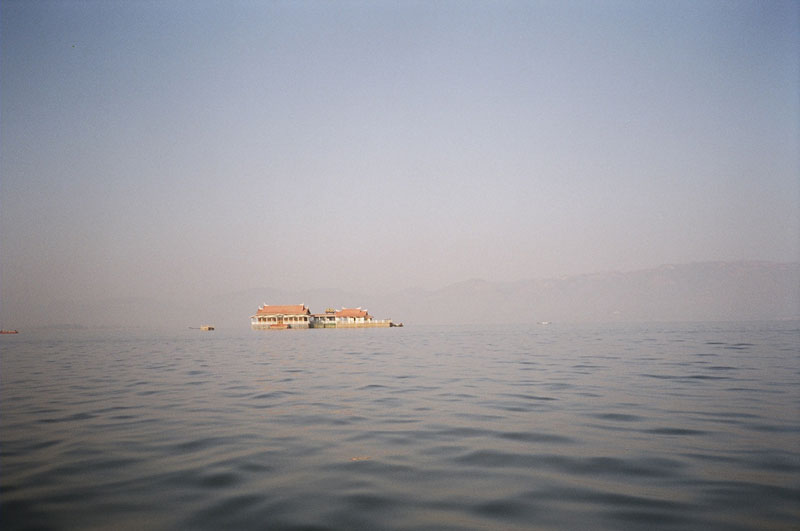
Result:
{"points": [[659, 427]]}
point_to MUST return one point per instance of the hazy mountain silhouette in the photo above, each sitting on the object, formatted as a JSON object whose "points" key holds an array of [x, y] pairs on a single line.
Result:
{"points": [[715, 291], [710, 291]]}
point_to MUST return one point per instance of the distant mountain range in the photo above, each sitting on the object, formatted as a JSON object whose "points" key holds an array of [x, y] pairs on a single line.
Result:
{"points": [[709, 291], [718, 291]]}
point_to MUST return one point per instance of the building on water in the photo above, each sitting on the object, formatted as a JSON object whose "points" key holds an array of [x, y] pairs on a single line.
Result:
{"points": [[347, 318], [298, 316], [280, 317]]}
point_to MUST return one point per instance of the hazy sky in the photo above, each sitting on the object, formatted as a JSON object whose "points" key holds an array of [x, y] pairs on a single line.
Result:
{"points": [[170, 148]]}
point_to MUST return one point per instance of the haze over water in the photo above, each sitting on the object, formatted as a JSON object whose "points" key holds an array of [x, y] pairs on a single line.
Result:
{"points": [[177, 151], [670, 426], [163, 162]]}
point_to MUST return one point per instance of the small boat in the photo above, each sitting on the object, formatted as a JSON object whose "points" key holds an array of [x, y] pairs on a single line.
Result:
{"points": [[8, 332], [206, 328]]}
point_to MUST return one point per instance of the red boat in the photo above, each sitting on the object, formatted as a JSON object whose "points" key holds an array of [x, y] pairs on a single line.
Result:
{"points": [[8, 332]]}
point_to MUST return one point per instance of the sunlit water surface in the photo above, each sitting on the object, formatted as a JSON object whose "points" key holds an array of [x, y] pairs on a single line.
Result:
{"points": [[668, 426]]}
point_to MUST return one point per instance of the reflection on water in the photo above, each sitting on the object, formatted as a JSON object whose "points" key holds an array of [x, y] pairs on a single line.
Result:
{"points": [[559, 427]]}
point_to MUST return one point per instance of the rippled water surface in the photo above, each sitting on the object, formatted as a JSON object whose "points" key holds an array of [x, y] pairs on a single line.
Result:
{"points": [[669, 426]]}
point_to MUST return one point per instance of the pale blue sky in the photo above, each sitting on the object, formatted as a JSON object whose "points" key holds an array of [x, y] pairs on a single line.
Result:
{"points": [[172, 148]]}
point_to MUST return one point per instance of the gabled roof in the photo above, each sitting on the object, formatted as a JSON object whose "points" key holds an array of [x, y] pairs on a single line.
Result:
{"points": [[296, 309], [352, 312]]}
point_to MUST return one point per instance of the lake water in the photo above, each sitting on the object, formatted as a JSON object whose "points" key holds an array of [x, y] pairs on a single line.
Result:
{"points": [[664, 426]]}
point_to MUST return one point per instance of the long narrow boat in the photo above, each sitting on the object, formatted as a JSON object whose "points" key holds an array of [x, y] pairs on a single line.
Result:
{"points": [[8, 332]]}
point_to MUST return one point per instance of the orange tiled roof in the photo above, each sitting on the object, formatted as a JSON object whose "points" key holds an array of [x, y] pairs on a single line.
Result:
{"points": [[352, 312], [296, 309]]}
